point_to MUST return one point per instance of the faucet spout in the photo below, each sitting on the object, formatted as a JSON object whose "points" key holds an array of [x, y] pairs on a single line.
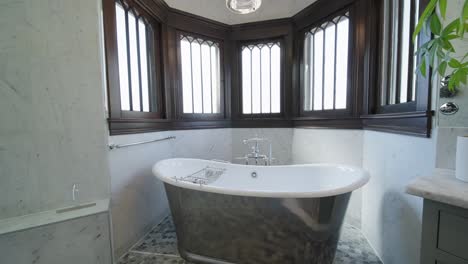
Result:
{"points": [[255, 153]]}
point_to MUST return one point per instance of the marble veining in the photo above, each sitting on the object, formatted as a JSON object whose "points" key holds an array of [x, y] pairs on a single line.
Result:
{"points": [[391, 219], [84, 240], [24, 222], [53, 131], [447, 146], [160, 247], [441, 187]]}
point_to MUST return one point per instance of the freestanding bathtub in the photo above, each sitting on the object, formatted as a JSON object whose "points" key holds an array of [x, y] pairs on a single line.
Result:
{"points": [[229, 213]]}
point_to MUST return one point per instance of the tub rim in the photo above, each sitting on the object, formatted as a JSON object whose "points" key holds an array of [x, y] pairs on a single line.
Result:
{"points": [[360, 182]]}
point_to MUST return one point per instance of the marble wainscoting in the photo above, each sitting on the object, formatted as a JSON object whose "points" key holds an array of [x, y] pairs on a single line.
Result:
{"points": [[281, 139], [53, 132], [138, 197], [391, 219], [78, 241], [160, 247], [339, 146], [447, 146]]}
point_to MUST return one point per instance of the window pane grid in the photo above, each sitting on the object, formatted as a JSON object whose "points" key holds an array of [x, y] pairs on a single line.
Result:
{"points": [[400, 17], [325, 65], [133, 59], [200, 62], [261, 78]]}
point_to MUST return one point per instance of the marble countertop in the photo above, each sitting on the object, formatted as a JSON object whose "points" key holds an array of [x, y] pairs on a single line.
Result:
{"points": [[24, 222], [441, 187]]}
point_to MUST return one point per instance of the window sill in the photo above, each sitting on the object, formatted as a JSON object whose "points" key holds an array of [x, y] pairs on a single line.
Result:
{"points": [[409, 123], [328, 122], [134, 126], [406, 123]]}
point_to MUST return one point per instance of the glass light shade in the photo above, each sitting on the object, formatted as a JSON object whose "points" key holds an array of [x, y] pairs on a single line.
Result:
{"points": [[243, 6]]}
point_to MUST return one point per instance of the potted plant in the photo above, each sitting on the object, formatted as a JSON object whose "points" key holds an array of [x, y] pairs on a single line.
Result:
{"points": [[439, 52]]}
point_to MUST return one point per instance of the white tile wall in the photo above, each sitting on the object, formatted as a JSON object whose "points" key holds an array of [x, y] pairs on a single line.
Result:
{"points": [[332, 146], [391, 219]]}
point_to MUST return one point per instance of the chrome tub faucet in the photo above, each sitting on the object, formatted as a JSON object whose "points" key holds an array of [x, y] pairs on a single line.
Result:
{"points": [[255, 154]]}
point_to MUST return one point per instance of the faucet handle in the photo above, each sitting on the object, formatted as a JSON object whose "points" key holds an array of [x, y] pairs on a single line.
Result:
{"points": [[255, 139]]}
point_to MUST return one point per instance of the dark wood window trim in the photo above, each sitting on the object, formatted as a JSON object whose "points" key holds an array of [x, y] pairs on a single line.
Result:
{"points": [[280, 30], [118, 116], [414, 119], [178, 100], [314, 15], [327, 114], [279, 115], [411, 118]]}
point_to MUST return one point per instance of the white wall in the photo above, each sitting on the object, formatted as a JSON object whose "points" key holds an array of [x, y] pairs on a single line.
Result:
{"points": [[83, 240], [391, 219], [216, 10], [138, 198], [281, 141], [331, 146], [53, 130]]}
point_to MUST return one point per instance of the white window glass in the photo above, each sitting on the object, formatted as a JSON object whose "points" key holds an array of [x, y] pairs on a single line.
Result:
{"points": [[318, 69], [135, 74], [246, 81], [342, 63], [405, 52], [144, 66], [398, 78], [325, 65], [261, 78], [133, 60], [201, 82], [122, 57]]}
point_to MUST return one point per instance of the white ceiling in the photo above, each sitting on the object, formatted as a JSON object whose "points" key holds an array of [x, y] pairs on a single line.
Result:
{"points": [[216, 9]]}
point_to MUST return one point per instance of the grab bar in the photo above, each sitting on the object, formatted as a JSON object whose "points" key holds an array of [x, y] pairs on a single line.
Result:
{"points": [[116, 146]]}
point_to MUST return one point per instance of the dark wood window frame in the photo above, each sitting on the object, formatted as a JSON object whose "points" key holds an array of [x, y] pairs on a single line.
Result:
{"points": [[123, 119], [411, 118], [281, 114], [179, 98], [362, 111], [331, 113]]}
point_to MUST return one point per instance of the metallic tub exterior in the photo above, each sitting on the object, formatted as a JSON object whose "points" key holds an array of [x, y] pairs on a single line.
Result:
{"points": [[219, 228]]}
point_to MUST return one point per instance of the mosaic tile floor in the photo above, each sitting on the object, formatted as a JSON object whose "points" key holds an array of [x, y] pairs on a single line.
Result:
{"points": [[160, 247]]}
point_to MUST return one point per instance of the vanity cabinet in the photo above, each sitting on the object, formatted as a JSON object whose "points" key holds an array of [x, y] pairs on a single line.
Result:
{"points": [[444, 234]]}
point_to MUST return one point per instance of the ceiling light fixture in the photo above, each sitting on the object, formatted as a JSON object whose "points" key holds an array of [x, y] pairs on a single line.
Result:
{"points": [[243, 6]]}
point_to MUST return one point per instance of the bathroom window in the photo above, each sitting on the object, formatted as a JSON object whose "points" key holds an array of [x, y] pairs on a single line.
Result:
{"points": [[398, 96], [325, 65], [397, 78], [134, 69], [261, 78], [200, 72], [133, 33]]}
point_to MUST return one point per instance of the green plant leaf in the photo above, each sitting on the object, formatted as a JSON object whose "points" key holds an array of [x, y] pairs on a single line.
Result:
{"points": [[443, 8], [442, 68], [463, 18], [435, 25], [452, 27], [454, 63], [424, 17], [452, 84], [447, 45], [463, 75], [422, 67]]}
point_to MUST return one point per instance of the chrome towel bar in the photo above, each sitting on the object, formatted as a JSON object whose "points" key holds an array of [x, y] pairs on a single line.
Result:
{"points": [[117, 146]]}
